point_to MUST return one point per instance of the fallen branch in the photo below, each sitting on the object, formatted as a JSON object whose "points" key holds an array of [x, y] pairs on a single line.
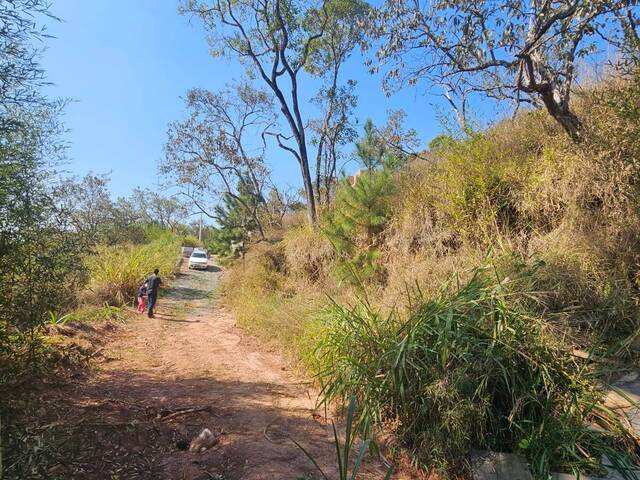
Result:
{"points": [[266, 434], [183, 411], [95, 353]]}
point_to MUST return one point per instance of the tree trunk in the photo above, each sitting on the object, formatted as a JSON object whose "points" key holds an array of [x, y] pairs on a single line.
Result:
{"points": [[308, 190], [571, 124], [319, 168], [562, 114]]}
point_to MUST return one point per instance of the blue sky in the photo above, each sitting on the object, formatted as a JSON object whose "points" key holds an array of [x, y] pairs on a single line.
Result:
{"points": [[125, 64]]}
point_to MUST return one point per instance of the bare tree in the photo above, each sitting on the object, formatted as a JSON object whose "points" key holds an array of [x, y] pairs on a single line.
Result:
{"points": [[214, 150], [518, 50], [156, 209], [275, 39]]}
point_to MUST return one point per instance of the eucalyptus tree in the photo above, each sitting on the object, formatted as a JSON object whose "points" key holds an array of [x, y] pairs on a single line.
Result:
{"points": [[21, 74], [220, 146], [153, 208], [276, 40], [524, 51], [335, 101], [333, 130]]}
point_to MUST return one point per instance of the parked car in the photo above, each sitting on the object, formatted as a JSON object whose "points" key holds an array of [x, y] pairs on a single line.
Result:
{"points": [[199, 260]]}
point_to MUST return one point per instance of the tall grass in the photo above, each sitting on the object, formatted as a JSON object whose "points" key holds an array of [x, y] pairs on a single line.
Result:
{"points": [[117, 271], [258, 292], [469, 369]]}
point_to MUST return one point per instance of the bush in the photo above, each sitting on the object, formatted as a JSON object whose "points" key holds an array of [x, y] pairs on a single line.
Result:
{"points": [[116, 272], [309, 255], [190, 241], [469, 369]]}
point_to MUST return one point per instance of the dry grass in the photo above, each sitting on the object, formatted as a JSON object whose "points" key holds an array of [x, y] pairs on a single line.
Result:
{"points": [[266, 301]]}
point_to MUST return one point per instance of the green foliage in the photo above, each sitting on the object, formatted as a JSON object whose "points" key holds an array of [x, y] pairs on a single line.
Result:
{"points": [[342, 34], [57, 320], [117, 271], [356, 223], [361, 210], [190, 241], [22, 75], [36, 244], [371, 148], [468, 369], [440, 142], [237, 221]]}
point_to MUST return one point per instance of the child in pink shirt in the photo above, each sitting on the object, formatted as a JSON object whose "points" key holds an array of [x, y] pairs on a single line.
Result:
{"points": [[142, 292]]}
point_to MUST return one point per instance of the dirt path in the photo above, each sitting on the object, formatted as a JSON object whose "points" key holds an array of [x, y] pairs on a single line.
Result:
{"points": [[165, 379]]}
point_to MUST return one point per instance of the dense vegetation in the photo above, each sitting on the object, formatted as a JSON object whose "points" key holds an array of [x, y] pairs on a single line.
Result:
{"points": [[472, 278]]}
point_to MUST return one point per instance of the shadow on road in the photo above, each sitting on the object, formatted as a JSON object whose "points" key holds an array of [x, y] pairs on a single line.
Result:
{"points": [[124, 427], [186, 293], [179, 321]]}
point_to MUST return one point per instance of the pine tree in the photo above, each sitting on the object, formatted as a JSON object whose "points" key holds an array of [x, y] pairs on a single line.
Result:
{"points": [[370, 149], [237, 221], [361, 211]]}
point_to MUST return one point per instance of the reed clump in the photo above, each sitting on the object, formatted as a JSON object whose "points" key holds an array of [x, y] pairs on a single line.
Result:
{"points": [[469, 368]]}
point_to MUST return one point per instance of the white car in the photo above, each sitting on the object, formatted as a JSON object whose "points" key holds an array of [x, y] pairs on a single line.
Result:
{"points": [[199, 260]]}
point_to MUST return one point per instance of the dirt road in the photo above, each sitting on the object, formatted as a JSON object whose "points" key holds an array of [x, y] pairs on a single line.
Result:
{"points": [[163, 380]]}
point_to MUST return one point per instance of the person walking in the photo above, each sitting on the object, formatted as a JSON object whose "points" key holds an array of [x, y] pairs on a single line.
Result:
{"points": [[153, 282]]}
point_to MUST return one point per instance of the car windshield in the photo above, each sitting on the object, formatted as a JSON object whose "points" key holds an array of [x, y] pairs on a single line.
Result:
{"points": [[199, 255]]}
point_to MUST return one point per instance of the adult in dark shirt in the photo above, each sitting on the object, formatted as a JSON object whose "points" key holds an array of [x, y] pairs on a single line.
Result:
{"points": [[153, 282]]}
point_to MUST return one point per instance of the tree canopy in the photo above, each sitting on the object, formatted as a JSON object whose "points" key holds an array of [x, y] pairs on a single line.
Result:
{"points": [[522, 51]]}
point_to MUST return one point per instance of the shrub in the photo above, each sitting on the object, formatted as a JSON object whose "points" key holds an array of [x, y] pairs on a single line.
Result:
{"points": [[190, 241], [469, 369], [356, 223]]}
